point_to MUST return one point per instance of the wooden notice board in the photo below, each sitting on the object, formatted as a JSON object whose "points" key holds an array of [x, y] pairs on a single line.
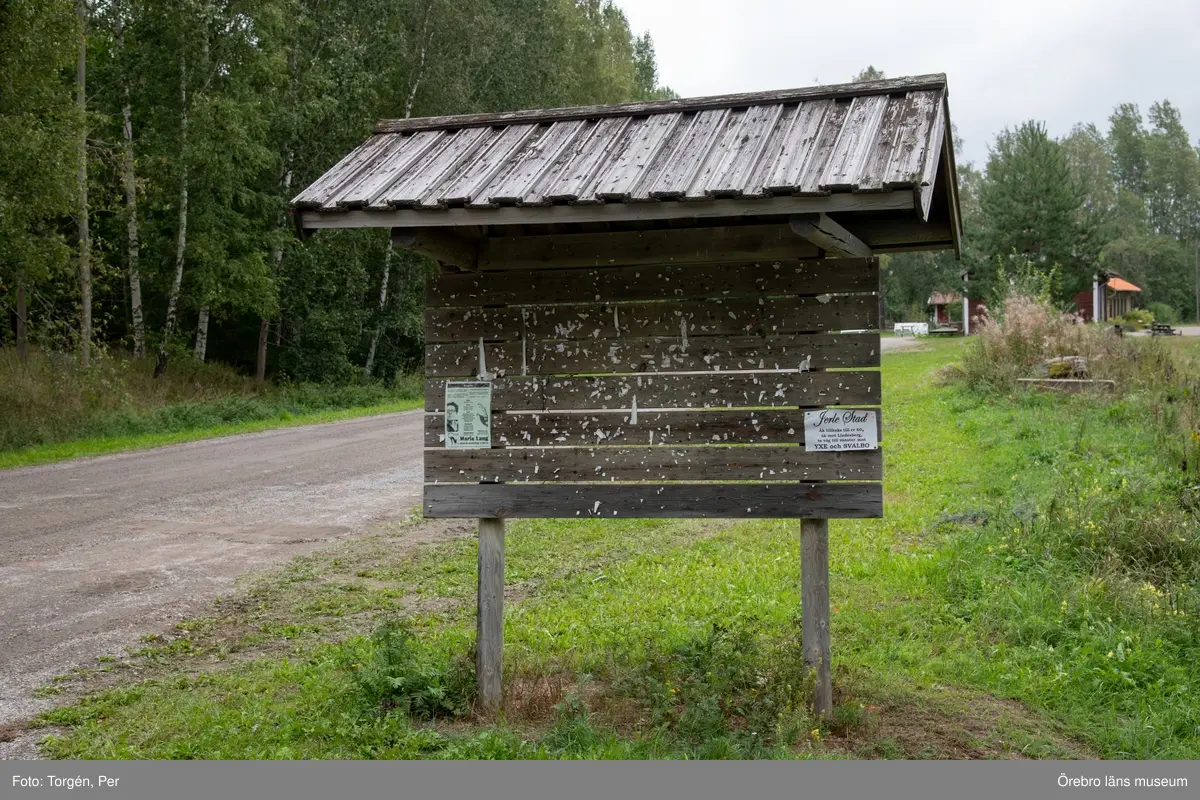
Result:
{"points": [[655, 391]]}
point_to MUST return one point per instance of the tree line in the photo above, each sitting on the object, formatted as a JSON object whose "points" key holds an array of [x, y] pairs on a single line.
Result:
{"points": [[148, 149], [1124, 199]]}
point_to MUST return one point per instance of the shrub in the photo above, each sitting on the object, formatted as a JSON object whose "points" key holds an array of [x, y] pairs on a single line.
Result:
{"points": [[52, 398], [728, 685], [1165, 313], [1028, 332], [397, 673], [1137, 318]]}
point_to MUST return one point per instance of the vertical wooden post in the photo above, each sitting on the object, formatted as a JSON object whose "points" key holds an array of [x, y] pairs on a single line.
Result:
{"points": [[814, 609], [489, 631]]}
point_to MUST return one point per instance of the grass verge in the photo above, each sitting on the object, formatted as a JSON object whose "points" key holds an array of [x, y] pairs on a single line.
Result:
{"points": [[56, 409], [104, 445], [1002, 609]]}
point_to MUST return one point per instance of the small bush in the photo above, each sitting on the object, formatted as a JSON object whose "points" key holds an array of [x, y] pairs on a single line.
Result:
{"points": [[53, 399], [1165, 313], [1029, 332], [398, 674], [1137, 319], [728, 685]]}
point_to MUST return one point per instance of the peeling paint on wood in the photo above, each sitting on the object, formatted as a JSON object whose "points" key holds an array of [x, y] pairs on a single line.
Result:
{"points": [[788, 278], [559, 464], [647, 500], [762, 317], [733, 390], [656, 354], [654, 428]]}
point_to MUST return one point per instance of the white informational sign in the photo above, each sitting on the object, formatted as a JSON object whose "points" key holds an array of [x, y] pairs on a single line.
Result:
{"points": [[468, 414], [840, 429]]}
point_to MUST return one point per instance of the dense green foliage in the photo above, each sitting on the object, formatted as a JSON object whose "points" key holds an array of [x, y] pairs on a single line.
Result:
{"points": [[38, 130], [233, 106], [51, 400], [1127, 201]]}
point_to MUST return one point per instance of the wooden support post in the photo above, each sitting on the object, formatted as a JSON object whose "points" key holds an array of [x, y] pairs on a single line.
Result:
{"points": [[814, 609], [489, 639]]}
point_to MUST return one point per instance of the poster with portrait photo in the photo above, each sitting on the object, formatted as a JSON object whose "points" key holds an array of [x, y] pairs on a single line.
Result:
{"points": [[468, 414]]}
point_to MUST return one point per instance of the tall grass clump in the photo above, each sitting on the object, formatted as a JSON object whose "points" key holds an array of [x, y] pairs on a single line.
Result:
{"points": [[1027, 332], [398, 673], [51, 398], [1092, 576], [734, 690]]}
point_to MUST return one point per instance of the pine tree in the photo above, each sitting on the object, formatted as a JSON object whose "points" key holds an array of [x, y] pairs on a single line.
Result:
{"points": [[1032, 205]]}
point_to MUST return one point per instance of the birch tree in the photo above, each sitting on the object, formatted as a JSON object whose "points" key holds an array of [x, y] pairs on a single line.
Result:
{"points": [[39, 131], [129, 183], [83, 211]]}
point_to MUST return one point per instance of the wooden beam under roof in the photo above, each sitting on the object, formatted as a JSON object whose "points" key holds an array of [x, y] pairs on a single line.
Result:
{"points": [[607, 212], [829, 236], [439, 245], [669, 246]]}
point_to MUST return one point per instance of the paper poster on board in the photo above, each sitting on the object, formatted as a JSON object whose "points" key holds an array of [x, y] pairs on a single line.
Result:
{"points": [[468, 414], [840, 429]]}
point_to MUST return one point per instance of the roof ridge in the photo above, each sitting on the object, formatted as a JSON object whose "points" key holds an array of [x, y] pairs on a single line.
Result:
{"points": [[929, 82]]}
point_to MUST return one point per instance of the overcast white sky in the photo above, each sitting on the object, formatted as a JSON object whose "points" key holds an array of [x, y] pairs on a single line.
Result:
{"points": [[1058, 61]]}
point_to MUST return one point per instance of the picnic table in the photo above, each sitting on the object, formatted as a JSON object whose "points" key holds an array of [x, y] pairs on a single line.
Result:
{"points": [[1163, 329]]}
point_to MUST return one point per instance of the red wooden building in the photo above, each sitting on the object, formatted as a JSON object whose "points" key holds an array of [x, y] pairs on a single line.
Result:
{"points": [[1111, 293]]}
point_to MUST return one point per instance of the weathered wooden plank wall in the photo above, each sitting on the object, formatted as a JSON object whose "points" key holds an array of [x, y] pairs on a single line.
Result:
{"points": [[652, 428], [655, 390], [654, 354], [648, 500]]}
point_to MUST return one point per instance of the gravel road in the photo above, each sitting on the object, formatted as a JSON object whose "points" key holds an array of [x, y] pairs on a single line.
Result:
{"points": [[96, 552]]}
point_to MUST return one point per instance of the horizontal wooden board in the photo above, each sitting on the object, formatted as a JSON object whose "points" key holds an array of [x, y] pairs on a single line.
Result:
{"points": [[669, 246], [553, 464], [683, 319], [655, 354], [732, 390], [719, 500], [427, 217], [653, 428], [660, 282]]}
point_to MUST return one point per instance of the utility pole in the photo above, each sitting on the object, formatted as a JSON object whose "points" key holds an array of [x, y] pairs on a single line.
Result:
{"points": [[1198, 283]]}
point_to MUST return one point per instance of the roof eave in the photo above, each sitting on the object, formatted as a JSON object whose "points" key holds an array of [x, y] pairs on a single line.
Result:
{"points": [[952, 176], [894, 86], [716, 208]]}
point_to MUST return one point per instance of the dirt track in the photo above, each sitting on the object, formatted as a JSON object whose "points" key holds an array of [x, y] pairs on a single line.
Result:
{"points": [[96, 552]]}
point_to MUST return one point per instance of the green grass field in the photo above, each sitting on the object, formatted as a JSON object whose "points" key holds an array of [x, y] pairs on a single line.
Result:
{"points": [[1032, 592]]}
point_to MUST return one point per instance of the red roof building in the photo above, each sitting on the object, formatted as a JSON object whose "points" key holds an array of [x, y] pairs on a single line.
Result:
{"points": [[941, 302], [1112, 293]]}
